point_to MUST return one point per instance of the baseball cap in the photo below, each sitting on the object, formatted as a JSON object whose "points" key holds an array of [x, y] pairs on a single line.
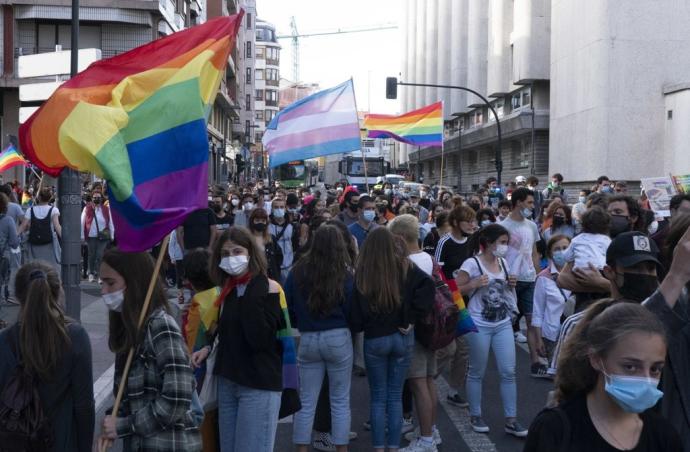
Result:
{"points": [[631, 248]]}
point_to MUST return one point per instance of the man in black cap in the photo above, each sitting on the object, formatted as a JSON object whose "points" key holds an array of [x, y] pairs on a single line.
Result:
{"points": [[632, 260]]}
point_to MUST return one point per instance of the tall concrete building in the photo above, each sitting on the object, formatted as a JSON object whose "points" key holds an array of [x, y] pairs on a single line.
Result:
{"points": [[582, 88], [495, 47], [267, 83]]}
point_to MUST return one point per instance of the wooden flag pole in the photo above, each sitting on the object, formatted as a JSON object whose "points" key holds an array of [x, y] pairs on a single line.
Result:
{"points": [[104, 444]]}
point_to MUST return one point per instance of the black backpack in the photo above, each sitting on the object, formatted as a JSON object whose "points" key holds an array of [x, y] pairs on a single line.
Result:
{"points": [[40, 232], [24, 427]]}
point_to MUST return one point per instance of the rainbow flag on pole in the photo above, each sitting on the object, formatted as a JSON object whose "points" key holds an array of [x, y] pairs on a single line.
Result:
{"points": [[422, 127], [138, 120], [321, 124], [11, 158]]}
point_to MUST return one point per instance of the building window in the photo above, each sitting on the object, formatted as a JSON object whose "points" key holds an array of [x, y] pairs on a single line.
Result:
{"points": [[526, 98], [521, 99], [257, 137], [271, 98], [247, 128], [259, 74], [249, 102], [259, 115], [499, 106], [519, 154], [249, 49], [477, 118], [269, 115], [260, 53], [516, 102], [669, 114], [249, 21], [50, 35], [249, 76], [259, 95]]}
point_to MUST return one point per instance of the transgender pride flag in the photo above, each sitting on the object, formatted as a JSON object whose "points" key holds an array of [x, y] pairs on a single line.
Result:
{"points": [[321, 124]]}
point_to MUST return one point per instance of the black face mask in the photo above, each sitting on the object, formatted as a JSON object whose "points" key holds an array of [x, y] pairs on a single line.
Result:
{"points": [[259, 227], [354, 208], [96, 200], [619, 225], [637, 286], [558, 220], [216, 208], [475, 206]]}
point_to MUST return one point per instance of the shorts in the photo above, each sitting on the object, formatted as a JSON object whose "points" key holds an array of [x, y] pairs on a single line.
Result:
{"points": [[525, 297], [423, 363]]}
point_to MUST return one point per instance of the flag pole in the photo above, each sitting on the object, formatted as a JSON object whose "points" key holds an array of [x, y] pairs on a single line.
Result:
{"points": [[364, 160], [104, 444]]}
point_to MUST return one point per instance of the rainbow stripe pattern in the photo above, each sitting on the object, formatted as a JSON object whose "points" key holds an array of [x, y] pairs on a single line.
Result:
{"points": [[287, 339], [11, 158], [321, 124], [138, 120], [203, 314], [422, 127], [465, 323]]}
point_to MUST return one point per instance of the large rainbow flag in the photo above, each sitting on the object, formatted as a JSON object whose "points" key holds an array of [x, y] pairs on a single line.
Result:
{"points": [[138, 120], [10, 158], [422, 127]]}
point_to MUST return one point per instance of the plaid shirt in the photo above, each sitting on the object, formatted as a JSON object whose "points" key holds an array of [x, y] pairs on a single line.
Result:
{"points": [[155, 414]]}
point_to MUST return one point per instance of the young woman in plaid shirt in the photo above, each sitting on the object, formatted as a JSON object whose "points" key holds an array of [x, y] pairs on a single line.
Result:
{"points": [[155, 414]]}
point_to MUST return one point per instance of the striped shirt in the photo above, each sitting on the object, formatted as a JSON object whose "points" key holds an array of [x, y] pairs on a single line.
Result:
{"points": [[451, 253], [566, 330]]}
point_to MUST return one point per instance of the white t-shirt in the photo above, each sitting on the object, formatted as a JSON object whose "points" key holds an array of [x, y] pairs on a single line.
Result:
{"points": [[588, 248], [523, 235], [41, 211], [423, 261], [492, 304]]}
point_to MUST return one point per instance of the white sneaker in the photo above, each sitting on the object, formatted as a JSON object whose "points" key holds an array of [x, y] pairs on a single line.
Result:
{"points": [[413, 435], [419, 446], [520, 338], [407, 425]]}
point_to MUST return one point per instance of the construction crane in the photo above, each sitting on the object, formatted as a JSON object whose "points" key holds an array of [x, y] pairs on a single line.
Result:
{"points": [[295, 35]]}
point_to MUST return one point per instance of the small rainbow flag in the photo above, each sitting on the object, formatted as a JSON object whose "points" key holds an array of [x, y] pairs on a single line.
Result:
{"points": [[11, 158], [138, 120], [465, 323], [422, 127]]}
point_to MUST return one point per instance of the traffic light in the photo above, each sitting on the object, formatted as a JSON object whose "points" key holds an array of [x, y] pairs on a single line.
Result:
{"points": [[391, 88], [239, 163]]}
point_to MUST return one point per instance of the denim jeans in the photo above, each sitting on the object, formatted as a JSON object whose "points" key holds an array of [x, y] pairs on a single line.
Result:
{"points": [[247, 417], [320, 352], [500, 339], [387, 359]]}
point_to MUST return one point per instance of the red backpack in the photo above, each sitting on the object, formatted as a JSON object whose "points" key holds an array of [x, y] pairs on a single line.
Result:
{"points": [[438, 328]]}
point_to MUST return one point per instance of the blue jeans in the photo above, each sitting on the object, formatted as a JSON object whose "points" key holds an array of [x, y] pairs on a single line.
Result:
{"points": [[500, 339], [320, 352], [387, 359], [247, 417]]}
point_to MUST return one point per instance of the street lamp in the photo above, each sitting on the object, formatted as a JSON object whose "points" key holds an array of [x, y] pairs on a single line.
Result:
{"points": [[392, 93]]}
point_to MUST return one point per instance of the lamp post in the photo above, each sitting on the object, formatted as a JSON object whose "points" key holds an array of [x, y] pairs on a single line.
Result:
{"points": [[392, 93]]}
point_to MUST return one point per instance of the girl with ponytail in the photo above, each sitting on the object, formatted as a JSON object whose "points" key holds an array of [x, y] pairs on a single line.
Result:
{"points": [[56, 351], [606, 383]]}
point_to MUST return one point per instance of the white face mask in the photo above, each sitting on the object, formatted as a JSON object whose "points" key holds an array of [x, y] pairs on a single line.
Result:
{"points": [[501, 250], [248, 206], [234, 265], [235, 202], [113, 300], [279, 213]]}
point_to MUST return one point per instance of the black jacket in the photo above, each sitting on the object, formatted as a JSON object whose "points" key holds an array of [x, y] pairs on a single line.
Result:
{"points": [[418, 292], [675, 405], [249, 352]]}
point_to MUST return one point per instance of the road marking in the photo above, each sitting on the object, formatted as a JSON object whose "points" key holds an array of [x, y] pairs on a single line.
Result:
{"points": [[477, 442], [103, 387]]}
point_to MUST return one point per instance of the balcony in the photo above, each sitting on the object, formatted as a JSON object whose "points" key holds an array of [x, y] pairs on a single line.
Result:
{"points": [[272, 62], [272, 103], [272, 83]]}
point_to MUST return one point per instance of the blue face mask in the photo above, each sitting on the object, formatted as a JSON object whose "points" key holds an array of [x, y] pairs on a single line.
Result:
{"points": [[485, 223], [369, 215], [526, 212], [633, 394], [558, 258], [607, 189]]}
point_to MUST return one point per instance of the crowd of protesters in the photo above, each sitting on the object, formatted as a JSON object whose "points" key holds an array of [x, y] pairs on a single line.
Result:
{"points": [[593, 282]]}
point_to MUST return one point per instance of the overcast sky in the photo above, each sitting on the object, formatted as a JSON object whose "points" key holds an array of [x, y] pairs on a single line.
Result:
{"points": [[368, 57]]}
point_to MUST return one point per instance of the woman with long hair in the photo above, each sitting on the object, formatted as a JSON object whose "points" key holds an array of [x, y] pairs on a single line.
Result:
{"points": [[390, 295], [558, 218], [318, 291], [248, 366], [485, 279], [56, 351], [607, 380], [43, 224], [156, 411], [258, 225]]}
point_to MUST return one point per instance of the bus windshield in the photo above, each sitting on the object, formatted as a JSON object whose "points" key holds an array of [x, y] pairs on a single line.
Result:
{"points": [[290, 171], [374, 168]]}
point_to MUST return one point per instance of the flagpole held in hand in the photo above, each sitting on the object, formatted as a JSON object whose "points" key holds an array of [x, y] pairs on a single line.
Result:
{"points": [[103, 443]]}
